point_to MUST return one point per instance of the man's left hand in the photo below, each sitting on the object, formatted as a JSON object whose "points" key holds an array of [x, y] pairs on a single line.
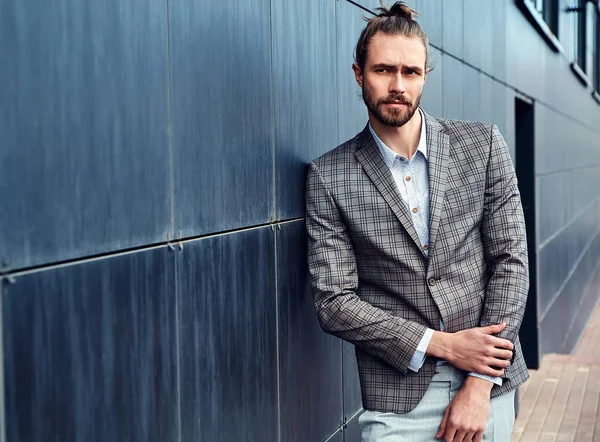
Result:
{"points": [[466, 416]]}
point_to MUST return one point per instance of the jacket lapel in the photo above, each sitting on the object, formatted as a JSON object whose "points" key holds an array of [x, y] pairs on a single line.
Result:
{"points": [[438, 147], [370, 158]]}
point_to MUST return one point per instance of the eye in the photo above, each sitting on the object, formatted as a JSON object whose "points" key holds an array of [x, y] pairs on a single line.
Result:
{"points": [[383, 71]]}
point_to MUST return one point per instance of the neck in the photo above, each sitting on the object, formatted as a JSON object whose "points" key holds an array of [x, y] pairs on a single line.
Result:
{"points": [[403, 140]]}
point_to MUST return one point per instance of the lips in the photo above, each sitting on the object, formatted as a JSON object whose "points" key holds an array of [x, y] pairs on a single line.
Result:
{"points": [[397, 102]]}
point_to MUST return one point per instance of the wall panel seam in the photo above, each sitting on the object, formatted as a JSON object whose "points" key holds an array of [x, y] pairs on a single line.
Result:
{"points": [[277, 343], [568, 277], [568, 224], [557, 171], [517, 90], [177, 346], [147, 247], [171, 147], [588, 286], [2, 389], [273, 216], [590, 314]]}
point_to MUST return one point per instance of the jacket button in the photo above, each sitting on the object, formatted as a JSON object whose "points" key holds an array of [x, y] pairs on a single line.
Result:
{"points": [[431, 282]]}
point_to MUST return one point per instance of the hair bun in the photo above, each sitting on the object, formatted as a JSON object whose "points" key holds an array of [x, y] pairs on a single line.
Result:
{"points": [[398, 9]]}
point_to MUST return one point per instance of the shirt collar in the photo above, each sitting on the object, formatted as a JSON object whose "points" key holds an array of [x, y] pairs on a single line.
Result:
{"points": [[389, 156]]}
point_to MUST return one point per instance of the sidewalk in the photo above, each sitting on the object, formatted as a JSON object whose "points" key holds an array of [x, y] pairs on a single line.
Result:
{"points": [[561, 400]]}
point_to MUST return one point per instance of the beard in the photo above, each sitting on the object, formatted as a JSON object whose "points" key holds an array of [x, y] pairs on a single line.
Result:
{"points": [[395, 117]]}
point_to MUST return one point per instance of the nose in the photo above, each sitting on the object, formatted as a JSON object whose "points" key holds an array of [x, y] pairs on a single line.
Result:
{"points": [[397, 84]]}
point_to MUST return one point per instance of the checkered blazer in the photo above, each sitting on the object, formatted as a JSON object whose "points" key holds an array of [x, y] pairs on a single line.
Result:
{"points": [[375, 288]]}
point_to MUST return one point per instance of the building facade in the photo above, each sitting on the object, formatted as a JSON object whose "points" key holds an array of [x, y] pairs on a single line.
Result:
{"points": [[152, 243]]}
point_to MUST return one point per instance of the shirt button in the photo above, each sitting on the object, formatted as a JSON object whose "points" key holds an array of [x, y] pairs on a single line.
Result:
{"points": [[425, 247], [407, 178], [415, 210], [431, 281], [401, 159]]}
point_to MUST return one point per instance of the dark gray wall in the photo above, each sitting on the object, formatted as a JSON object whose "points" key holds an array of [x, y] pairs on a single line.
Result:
{"points": [[152, 242]]}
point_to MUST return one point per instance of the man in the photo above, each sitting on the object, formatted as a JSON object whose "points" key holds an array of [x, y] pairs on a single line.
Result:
{"points": [[417, 253]]}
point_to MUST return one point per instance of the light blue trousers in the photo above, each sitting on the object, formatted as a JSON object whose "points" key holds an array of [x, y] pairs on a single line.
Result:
{"points": [[422, 423]]}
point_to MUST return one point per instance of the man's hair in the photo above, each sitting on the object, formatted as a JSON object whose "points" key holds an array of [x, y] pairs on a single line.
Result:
{"points": [[397, 20]]}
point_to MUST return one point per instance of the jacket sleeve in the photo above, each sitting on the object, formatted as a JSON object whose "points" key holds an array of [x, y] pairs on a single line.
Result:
{"points": [[334, 282], [505, 243]]}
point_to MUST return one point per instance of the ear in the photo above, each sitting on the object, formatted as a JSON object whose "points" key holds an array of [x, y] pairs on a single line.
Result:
{"points": [[358, 75], [425, 76]]}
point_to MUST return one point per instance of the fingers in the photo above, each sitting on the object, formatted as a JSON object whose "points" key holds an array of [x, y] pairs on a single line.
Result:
{"points": [[459, 436], [488, 368], [442, 429], [463, 436], [502, 364], [502, 354], [450, 434], [493, 329], [478, 436], [492, 372], [501, 343]]}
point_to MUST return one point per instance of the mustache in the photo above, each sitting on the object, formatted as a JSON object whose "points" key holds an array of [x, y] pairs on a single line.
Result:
{"points": [[395, 99]]}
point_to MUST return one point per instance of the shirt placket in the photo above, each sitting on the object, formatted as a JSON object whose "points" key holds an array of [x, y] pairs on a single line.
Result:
{"points": [[415, 203]]}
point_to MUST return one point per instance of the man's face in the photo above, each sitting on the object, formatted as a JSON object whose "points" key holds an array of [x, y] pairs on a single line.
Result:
{"points": [[393, 77]]}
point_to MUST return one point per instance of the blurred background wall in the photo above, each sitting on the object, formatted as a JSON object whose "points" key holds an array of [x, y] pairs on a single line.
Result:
{"points": [[152, 163]]}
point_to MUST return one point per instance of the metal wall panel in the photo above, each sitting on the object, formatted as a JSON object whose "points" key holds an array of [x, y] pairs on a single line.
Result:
{"points": [[431, 18], [85, 149], [352, 432], [554, 327], [501, 107], [588, 305], [452, 27], [499, 30], [310, 360], [337, 437], [567, 212], [222, 115], [567, 271], [304, 94], [487, 102], [477, 33], [352, 115], [472, 94], [352, 394], [509, 132], [556, 81], [433, 95], [90, 351], [553, 195], [552, 271], [227, 337], [370, 5], [453, 89], [525, 67], [559, 328], [547, 156], [558, 134]]}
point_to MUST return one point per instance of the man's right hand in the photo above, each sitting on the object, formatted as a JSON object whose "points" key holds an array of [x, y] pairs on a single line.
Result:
{"points": [[474, 349]]}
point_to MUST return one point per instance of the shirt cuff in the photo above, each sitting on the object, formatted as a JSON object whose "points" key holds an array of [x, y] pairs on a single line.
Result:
{"points": [[418, 358], [497, 381]]}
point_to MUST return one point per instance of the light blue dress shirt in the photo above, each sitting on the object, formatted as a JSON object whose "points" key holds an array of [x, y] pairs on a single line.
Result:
{"points": [[412, 179]]}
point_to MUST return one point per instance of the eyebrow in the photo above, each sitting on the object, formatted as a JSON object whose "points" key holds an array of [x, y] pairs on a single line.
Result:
{"points": [[391, 66]]}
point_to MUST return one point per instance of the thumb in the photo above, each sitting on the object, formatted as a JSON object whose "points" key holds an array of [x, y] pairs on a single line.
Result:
{"points": [[493, 329], [442, 429]]}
